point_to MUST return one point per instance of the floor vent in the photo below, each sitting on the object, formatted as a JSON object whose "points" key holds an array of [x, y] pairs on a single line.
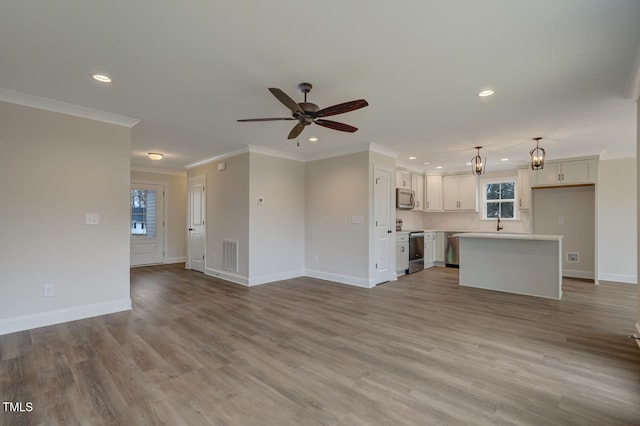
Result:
{"points": [[230, 255]]}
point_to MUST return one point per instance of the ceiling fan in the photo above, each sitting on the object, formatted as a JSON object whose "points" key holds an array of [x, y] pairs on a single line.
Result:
{"points": [[307, 113]]}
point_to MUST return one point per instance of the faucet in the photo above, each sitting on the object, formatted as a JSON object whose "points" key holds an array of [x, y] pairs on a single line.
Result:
{"points": [[498, 226]]}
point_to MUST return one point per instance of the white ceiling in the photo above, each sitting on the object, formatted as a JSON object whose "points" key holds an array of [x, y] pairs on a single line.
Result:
{"points": [[188, 70]]}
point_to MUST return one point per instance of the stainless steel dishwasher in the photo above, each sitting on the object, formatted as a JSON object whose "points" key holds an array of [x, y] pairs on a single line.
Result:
{"points": [[451, 258]]}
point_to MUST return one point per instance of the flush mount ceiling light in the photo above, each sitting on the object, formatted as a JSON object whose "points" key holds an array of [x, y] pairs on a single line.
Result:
{"points": [[486, 93], [477, 163], [155, 156], [537, 156], [102, 78]]}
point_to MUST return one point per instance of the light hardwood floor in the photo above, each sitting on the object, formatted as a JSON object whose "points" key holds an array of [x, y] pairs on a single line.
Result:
{"points": [[422, 350]]}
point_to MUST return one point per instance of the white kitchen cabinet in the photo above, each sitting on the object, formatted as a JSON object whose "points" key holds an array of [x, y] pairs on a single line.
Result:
{"points": [[460, 192], [403, 179], [402, 253], [569, 172], [429, 249], [417, 185], [523, 189], [439, 248], [433, 201]]}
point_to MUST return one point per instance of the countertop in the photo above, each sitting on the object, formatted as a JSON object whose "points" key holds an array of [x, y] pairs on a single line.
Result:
{"points": [[509, 236]]}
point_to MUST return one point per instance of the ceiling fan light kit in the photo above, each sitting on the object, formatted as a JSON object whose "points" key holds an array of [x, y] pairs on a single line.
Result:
{"points": [[307, 113], [537, 156], [478, 163]]}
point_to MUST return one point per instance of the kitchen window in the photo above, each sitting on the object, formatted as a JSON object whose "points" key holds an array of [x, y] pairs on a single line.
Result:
{"points": [[499, 199]]}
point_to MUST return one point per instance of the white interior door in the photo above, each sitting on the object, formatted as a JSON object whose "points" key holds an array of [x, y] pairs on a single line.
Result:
{"points": [[383, 231], [197, 233], [147, 224]]}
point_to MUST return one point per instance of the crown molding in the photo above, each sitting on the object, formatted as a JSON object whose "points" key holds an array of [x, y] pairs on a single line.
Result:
{"points": [[275, 153], [65, 108], [159, 171], [632, 90], [380, 149], [217, 158]]}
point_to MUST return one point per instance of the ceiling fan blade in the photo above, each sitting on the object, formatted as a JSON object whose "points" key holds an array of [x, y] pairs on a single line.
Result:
{"points": [[341, 108], [266, 119], [336, 126], [286, 100], [296, 131]]}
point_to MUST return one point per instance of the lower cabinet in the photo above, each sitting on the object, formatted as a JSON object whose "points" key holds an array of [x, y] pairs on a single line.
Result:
{"points": [[402, 253], [429, 249], [439, 248]]}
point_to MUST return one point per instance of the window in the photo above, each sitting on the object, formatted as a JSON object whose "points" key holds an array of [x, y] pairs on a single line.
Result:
{"points": [[500, 199], [143, 213]]}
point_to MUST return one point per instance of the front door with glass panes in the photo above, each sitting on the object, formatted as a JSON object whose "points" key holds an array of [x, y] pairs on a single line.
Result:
{"points": [[147, 224]]}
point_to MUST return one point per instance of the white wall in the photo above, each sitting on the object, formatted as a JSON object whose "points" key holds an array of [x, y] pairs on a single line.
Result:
{"points": [[276, 227], [617, 226], [54, 169], [336, 189], [227, 215], [175, 215], [568, 211]]}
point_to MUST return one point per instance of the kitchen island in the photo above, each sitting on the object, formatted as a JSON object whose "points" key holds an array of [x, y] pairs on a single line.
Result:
{"points": [[528, 264]]}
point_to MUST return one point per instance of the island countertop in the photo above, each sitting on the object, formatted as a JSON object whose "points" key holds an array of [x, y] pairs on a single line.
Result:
{"points": [[507, 235], [528, 264]]}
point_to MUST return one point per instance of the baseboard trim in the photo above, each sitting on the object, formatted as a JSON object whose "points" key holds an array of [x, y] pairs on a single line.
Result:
{"points": [[621, 278], [587, 275], [43, 319], [234, 278], [269, 278], [342, 279], [637, 333], [170, 260]]}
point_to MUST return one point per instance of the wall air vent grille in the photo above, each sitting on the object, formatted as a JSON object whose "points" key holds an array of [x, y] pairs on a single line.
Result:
{"points": [[230, 255]]}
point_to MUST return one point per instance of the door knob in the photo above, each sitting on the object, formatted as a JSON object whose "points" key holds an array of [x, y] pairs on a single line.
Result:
{"points": [[190, 229], [389, 231]]}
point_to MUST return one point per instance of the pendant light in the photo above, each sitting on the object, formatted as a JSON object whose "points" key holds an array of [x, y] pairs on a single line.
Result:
{"points": [[477, 163], [537, 156]]}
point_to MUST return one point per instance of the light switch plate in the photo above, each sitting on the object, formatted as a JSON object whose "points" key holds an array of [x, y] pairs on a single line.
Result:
{"points": [[92, 219], [357, 219]]}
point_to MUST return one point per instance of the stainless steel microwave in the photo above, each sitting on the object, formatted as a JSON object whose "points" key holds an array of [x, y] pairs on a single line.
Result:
{"points": [[405, 199]]}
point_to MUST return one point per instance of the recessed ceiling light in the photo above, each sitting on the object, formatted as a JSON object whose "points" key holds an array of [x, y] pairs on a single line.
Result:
{"points": [[155, 155], [412, 158], [486, 93], [438, 167], [504, 159], [468, 164], [102, 78], [426, 164], [313, 139]]}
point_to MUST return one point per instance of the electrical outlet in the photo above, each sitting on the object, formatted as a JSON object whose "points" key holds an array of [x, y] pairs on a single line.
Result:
{"points": [[48, 290], [573, 257], [92, 219]]}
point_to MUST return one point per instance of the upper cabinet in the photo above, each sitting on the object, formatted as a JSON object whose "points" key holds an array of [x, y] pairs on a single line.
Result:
{"points": [[415, 182], [460, 192], [524, 189], [417, 185], [403, 179], [433, 202], [569, 172]]}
